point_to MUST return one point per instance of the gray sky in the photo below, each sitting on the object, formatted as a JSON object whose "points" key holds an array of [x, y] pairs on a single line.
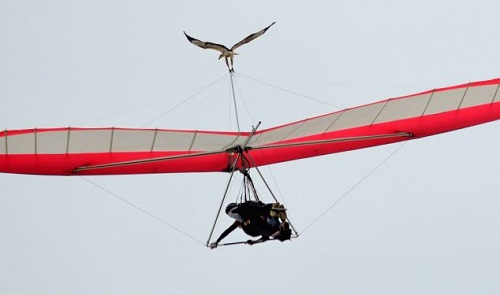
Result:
{"points": [[426, 221]]}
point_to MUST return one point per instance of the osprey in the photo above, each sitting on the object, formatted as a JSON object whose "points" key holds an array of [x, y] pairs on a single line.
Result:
{"points": [[225, 52]]}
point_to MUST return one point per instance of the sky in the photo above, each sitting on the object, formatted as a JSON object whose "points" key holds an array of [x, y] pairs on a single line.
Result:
{"points": [[413, 218]]}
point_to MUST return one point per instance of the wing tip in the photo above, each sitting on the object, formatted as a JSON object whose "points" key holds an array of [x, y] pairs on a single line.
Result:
{"points": [[188, 37]]}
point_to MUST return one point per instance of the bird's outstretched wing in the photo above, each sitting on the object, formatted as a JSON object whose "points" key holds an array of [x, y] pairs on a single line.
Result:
{"points": [[206, 45], [251, 37]]}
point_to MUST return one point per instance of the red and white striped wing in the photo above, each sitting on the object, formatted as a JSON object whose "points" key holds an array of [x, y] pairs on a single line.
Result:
{"points": [[101, 151]]}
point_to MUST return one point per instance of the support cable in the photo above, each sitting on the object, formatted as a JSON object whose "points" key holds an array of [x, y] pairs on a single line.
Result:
{"points": [[290, 91], [242, 100], [182, 102], [352, 188], [116, 196]]}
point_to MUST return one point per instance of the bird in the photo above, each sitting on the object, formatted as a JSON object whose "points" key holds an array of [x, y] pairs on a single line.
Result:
{"points": [[227, 53]]}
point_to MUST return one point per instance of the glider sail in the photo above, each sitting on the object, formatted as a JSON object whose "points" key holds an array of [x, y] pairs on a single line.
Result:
{"points": [[104, 151]]}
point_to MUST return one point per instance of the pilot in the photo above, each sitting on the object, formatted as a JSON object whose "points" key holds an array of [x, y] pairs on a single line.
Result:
{"points": [[257, 219]]}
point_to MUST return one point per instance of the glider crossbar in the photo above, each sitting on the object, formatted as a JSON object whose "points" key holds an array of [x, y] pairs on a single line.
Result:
{"points": [[251, 243], [144, 161], [327, 141]]}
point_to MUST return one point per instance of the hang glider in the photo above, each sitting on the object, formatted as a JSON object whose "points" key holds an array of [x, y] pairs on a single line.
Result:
{"points": [[104, 151], [227, 53]]}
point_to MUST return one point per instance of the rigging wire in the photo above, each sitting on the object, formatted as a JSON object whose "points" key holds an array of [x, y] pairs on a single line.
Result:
{"points": [[184, 101], [240, 93], [148, 105], [208, 98], [289, 91], [279, 191], [116, 196], [353, 187], [352, 84]]}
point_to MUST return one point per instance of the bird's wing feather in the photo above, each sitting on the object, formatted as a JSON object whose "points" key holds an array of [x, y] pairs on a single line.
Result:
{"points": [[216, 46], [251, 37], [206, 45]]}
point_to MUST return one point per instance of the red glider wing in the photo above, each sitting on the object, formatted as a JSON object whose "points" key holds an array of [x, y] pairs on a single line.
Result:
{"points": [[103, 151]]}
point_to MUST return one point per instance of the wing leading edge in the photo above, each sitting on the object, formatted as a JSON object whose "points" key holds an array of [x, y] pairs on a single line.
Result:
{"points": [[104, 151]]}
